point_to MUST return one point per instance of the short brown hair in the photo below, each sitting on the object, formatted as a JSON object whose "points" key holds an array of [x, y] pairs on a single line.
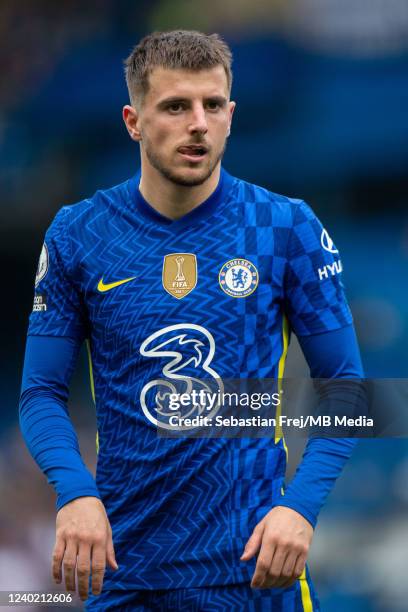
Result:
{"points": [[176, 49]]}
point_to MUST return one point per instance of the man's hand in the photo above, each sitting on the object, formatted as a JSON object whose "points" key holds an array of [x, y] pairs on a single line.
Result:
{"points": [[83, 544], [283, 540]]}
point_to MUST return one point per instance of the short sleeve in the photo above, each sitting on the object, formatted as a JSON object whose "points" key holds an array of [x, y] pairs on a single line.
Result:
{"points": [[314, 294], [58, 307]]}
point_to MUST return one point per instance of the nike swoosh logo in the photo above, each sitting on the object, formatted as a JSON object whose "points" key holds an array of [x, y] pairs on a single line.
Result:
{"points": [[102, 287]]}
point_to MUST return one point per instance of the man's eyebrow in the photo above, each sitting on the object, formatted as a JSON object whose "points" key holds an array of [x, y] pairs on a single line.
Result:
{"points": [[172, 100], [221, 100]]}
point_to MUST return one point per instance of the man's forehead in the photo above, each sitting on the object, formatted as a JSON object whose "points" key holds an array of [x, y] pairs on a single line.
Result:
{"points": [[165, 82]]}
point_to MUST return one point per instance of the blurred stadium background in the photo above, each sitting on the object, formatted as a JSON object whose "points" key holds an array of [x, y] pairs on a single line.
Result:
{"points": [[322, 93]]}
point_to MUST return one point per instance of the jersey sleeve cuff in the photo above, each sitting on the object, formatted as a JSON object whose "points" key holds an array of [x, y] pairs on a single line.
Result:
{"points": [[65, 498], [300, 508]]}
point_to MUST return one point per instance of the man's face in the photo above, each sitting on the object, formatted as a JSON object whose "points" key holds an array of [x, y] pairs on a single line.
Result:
{"points": [[184, 121]]}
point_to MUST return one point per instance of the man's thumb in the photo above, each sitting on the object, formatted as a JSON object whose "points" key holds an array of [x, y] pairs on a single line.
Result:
{"points": [[253, 544]]}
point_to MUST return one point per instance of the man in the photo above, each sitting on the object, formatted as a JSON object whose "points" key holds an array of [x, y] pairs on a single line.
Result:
{"points": [[182, 271]]}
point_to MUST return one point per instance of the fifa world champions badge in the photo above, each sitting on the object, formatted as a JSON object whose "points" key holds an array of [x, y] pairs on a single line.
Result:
{"points": [[179, 275], [238, 278]]}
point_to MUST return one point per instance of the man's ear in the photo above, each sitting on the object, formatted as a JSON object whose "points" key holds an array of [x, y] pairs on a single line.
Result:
{"points": [[131, 118], [232, 106]]}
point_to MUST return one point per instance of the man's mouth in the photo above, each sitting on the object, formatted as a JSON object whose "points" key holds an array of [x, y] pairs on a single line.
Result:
{"points": [[195, 152]]}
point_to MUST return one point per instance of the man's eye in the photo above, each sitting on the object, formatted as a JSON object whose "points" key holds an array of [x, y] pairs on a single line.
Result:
{"points": [[175, 108], [213, 105]]}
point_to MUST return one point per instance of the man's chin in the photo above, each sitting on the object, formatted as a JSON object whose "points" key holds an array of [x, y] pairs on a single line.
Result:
{"points": [[189, 177], [185, 174]]}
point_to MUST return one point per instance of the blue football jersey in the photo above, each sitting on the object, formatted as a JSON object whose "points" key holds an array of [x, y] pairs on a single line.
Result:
{"points": [[212, 295]]}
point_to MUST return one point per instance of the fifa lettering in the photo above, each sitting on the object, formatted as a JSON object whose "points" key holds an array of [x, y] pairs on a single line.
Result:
{"points": [[178, 284]]}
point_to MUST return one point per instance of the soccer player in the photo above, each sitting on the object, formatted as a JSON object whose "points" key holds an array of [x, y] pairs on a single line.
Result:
{"points": [[182, 271]]}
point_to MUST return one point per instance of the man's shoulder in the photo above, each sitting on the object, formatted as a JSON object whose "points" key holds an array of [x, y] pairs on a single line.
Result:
{"points": [[85, 226], [103, 203], [262, 203]]}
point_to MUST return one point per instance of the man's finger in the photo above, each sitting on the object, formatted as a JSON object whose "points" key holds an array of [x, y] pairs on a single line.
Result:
{"points": [[274, 571], [263, 562], [298, 571], [281, 574], [254, 543], [287, 575], [288, 566], [57, 556], [284, 574], [110, 555], [300, 564], [98, 567], [69, 564], [83, 569]]}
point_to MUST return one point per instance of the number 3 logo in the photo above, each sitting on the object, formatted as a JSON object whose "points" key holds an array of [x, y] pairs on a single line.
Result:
{"points": [[185, 346]]}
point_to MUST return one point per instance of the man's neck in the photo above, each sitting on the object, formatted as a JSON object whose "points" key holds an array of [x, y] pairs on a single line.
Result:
{"points": [[172, 200]]}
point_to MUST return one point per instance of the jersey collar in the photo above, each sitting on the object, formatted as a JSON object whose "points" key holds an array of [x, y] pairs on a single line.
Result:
{"points": [[202, 211]]}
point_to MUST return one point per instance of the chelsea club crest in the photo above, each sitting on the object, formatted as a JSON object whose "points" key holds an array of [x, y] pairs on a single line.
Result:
{"points": [[238, 278]]}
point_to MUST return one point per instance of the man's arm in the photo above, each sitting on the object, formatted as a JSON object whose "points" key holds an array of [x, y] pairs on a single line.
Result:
{"points": [[83, 533], [314, 301], [284, 535], [58, 325], [331, 355], [44, 419]]}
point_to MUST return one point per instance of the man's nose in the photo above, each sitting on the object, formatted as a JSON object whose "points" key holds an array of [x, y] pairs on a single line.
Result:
{"points": [[198, 121]]}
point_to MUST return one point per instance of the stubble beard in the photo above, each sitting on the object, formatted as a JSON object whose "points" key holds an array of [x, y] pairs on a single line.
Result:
{"points": [[176, 177]]}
